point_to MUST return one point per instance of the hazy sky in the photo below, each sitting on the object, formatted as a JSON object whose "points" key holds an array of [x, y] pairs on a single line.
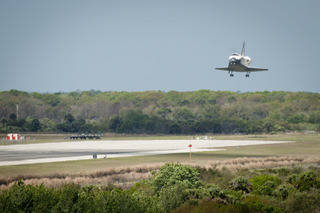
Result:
{"points": [[126, 45]]}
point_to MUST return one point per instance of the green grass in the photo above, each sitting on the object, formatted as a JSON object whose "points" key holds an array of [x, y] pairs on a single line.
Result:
{"points": [[305, 145]]}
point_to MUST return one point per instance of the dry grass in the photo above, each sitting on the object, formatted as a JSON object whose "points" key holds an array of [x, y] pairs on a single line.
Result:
{"points": [[260, 163], [130, 175]]}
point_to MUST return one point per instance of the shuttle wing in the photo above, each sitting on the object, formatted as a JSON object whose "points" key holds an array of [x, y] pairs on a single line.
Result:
{"points": [[255, 69], [223, 68]]}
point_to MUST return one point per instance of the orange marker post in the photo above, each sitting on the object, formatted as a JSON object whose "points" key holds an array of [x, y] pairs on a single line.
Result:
{"points": [[190, 151]]}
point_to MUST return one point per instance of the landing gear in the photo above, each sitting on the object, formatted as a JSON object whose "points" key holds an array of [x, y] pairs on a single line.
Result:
{"points": [[247, 75], [231, 75]]}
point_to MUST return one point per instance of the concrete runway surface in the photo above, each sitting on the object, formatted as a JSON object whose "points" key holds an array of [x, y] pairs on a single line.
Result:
{"points": [[66, 151]]}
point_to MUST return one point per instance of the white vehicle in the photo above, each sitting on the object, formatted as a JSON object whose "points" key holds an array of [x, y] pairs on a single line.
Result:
{"points": [[240, 63]]}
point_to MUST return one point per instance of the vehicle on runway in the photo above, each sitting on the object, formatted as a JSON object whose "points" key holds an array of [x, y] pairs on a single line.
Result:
{"points": [[240, 63]]}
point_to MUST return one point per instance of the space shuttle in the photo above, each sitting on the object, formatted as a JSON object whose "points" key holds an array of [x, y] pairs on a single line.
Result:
{"points": [[240, 63]]}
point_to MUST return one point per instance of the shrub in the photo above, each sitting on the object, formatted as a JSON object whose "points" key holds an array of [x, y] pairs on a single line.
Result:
{"points": [[259, 204], [172, 197], [293, 179], [173, 173], [208, 175], [27, 198], [199, 193], [283, 171], [66, 196], [303, 202], [20, 198], [283, 191], [214, 191], [233, 197], [307, 180], [266, 188], [264, 184], [241, 183]]}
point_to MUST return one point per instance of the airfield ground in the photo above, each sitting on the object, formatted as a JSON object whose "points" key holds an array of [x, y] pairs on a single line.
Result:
{"points": [[144, 152]]}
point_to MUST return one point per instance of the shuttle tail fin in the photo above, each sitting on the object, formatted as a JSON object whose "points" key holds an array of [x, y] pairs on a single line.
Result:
{"points": [[243, 49]]}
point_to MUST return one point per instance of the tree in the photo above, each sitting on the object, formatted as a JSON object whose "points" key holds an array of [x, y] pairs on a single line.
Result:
{"points": [[51, 99], [164, 112], [13, 117], [68, 118], [4, 121], [173, 173], [114, 123], [183, 113]]}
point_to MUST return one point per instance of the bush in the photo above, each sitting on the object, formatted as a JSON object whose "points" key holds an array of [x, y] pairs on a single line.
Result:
{"points": [[264, 184], [172, 197], [303, 202], [214, 191], [174, 173], [293, 179], [66, 196], [199, 194], [259, 204], [241, 183], [307, 180], [283, 191], [233, 197], [27, 198], [18, 198], [208, 175]]}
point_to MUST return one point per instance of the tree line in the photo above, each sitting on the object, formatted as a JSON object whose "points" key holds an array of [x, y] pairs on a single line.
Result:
{"points": [[158, 112]]}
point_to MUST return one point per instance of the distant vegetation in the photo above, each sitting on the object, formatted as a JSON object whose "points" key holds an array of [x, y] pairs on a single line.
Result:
{"points": [[179, 188], [156, 112]]}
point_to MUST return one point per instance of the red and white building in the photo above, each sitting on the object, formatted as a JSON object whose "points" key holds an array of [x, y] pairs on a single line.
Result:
{"points": [[13, 137]]}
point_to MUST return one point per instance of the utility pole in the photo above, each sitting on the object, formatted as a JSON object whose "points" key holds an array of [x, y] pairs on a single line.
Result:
{"points": [[17, 111], [190, 151]]}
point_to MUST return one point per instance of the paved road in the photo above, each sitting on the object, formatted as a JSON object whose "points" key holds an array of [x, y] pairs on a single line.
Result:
{"points": [[63, 151]]}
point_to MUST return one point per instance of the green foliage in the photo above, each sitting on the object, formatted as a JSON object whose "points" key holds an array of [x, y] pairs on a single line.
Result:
{"points": [[20, 198], [233, 197], [156, 112], [307, 180], [174, 173], [66, 197], [51, 99], [182, 192], [183, 113], [283, 191], [264, 184], [293, 179], [164, 112], [303, 202], [171, 197], [13, 117], [115, 123], [259, 204], [214, 191], [241, 183]]}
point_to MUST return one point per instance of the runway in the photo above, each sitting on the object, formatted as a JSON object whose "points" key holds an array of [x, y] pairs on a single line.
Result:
{"points": [[80, 150]]}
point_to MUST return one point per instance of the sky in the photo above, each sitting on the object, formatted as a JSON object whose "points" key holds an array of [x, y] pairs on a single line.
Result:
{"points": [[142, 45]]}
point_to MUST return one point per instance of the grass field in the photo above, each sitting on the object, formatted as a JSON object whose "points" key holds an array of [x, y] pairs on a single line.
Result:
{"points": [[304, 146]]}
